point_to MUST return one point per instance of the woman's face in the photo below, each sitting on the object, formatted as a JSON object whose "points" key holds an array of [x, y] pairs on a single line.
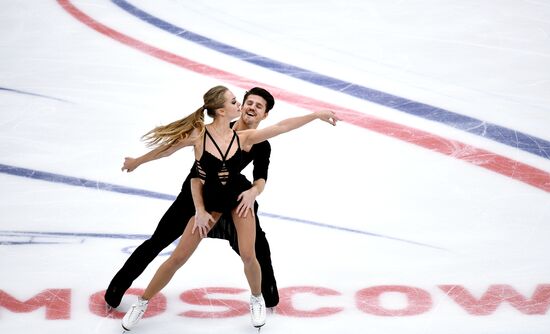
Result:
{"points": [[231, 106]]}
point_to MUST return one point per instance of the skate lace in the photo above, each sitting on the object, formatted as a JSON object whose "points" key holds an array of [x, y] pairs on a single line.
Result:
{"points": [[256, 306], [140, 308]]}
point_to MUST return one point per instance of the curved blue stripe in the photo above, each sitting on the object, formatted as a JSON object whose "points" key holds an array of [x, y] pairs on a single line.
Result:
{"points": [[33, 94], [472, 125], [74, 234], [80, 182]]}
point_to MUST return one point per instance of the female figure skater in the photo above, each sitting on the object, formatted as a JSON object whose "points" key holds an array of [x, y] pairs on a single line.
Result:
{"points": [[257, 104], [217, 152]]}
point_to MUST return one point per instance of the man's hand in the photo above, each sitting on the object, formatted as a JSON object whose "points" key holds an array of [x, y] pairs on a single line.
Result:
{"points": [[247, 199], [202, 223]]}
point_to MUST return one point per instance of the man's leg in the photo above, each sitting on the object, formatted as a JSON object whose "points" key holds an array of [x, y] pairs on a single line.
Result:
{"points": [[170, 228], [263, 254]]}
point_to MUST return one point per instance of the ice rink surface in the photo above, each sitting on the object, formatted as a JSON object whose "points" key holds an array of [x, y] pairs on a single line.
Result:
{"points": [[426, 210]]}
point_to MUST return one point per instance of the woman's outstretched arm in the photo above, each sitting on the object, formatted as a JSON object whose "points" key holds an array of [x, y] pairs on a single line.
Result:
{"points": [[251, 137], [130, 164]]}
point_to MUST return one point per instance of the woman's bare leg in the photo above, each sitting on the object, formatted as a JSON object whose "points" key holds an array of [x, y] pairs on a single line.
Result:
{"points": [[246, 234], [185, 248]]}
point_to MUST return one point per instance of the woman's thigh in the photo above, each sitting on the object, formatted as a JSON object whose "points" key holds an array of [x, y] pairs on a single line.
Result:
{"points": [[246, 232], [190, 241]]}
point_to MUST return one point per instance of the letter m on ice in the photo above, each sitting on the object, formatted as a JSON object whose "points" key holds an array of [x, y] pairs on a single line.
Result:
{"points": [[57, 303]]}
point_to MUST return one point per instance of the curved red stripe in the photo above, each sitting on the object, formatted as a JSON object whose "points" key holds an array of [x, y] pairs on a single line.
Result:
{"points": [[479, 157]]}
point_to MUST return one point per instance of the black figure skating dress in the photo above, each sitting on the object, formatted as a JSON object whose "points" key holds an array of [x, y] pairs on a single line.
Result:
{"points": [[223, 181]]}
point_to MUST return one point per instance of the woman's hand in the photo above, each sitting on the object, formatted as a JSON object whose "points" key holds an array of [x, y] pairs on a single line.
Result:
{"points": [[202, 223], [130, 164], [328, 116]]}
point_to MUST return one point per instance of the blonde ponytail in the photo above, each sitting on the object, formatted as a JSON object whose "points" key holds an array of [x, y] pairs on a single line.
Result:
{"points": [[170, 134]]}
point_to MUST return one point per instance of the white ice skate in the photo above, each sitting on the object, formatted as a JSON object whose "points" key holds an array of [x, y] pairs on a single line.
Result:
{"points": [[109, 308], [134, 314], [257, 311]]}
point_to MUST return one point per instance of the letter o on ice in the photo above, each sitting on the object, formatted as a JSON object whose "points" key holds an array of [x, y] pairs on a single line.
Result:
{"points": [[368, 300]]}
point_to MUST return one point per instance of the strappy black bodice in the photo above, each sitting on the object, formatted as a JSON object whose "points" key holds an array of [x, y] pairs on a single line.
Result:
{"points": [[223, 180]]}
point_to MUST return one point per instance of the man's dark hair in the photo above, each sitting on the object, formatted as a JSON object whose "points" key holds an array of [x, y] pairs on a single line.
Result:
{"points": [[270, 101]]}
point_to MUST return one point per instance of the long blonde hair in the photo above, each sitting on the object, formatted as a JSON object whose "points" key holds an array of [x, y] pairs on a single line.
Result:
{"points": [[168, 135]]}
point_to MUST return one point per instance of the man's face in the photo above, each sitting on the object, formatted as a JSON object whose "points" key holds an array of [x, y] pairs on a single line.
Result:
{"points": [[253, 110]]}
